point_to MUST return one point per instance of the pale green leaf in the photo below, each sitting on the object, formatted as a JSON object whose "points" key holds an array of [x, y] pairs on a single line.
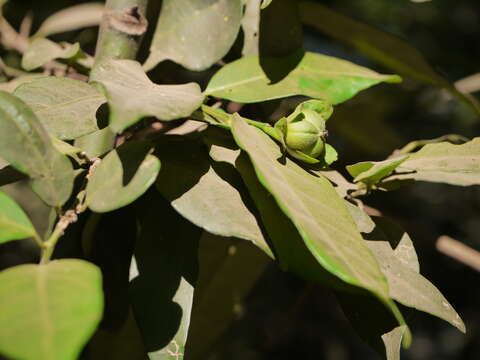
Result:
{"points": [[41, 51], [71, 18], [11, 85], [49, 311], [131, 95], [209, 195], [66, 107], [265, 3], [25, 144], [122, 176], [444, 162], [251, 27], [65, 148], [14, 223], [371, 172], [97, 143], [195, 33], [315, 209], [314, 75]]}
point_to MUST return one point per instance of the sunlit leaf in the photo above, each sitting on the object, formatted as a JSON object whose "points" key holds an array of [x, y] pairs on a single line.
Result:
{"points": [[71, 18], [210, 195], [131, 95], [444, 162], [14, 223], [66, 107], [122, 176], [370, 172], [315, 209], [49, 311], [265, 3], [251, 27], [27, 146], [314, 75], [195, 33], [41, 51]]}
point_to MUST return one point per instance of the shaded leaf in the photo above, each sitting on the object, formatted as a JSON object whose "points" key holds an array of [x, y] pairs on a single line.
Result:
{"points": [[26, 145], [195, 33], [53, 309], [14, 223], [97, 143], [315, 75], [41, 51], [162, 291], [71, 18], [211, 196], [122, 176], [444, 162], [9, 175], [371, 172], [224, 283], [131, 95], [389, 50], [315, 209], [66, 107]]}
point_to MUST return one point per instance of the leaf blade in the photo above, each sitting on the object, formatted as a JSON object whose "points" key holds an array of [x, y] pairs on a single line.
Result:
{"points": [[14, 223]]}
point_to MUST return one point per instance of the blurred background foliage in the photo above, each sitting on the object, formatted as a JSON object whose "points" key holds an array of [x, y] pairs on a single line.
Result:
{"points": [[284, 317]]}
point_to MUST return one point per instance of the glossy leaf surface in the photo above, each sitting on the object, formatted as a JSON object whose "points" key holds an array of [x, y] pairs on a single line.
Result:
{"points": [[14, 223], [251, 79], [53, 309]]}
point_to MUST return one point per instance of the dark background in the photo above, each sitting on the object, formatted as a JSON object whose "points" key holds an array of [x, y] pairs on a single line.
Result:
{"points": [[285, 318]]}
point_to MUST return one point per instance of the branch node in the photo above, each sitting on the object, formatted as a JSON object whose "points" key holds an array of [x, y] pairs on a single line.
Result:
{"points": [[128, 21]]}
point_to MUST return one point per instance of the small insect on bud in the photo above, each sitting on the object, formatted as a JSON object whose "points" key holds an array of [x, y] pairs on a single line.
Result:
{"points": [[304, 132]]}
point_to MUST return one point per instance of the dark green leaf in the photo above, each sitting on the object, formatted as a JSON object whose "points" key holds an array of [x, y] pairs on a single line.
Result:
{"points": [[163, 288], [26, 145], [49, 311], [131, 95], [318, 76], [66, 107], [211, 196], [195, 33], [386, 48], [122, 176], [14, 223]]}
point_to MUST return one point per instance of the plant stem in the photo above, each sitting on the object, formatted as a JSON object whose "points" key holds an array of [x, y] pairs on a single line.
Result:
{"points": [[121, 31], [65, 220]]}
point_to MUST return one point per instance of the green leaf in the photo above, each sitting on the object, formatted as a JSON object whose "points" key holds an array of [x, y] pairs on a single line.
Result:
{"points": [[66, 107], [391, 51], [315, 209], [394, 251], [11, 85], [251, 27], [223, 285], [444, 162], [49, 311], [131, 95], [26, 145], [122, 176], [41, 51], [371, 172], [65, 148], [210, 195], [195, 33], [318, 76], [163, 289], [71, 18], [265, 3], [97, 143], [14, 223]]}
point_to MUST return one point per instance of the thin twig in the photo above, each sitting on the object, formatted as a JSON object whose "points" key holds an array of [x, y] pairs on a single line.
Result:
{"points": [[459, 251]]}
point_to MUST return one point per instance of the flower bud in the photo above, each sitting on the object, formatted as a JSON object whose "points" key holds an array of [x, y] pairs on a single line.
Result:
{"points": [[304, 130]]}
